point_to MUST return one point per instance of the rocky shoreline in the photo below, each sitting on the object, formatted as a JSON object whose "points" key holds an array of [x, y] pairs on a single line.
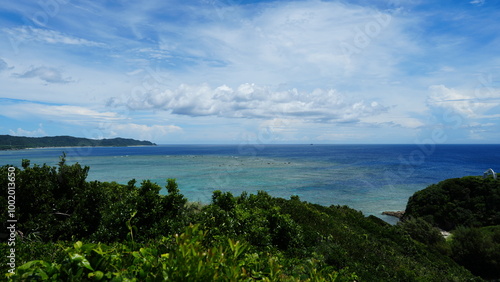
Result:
{"points": [[398, 214]]}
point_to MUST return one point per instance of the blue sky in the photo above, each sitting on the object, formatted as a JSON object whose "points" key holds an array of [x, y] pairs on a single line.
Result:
{"points": [[231, 71]]}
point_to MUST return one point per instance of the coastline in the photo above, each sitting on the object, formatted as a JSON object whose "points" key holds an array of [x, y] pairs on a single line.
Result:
{"points": [[397, 214], [9, 142], [62, 147]]}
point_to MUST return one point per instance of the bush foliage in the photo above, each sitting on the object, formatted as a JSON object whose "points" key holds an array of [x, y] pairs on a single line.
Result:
{"points": [[468, 201], [469, 207], [478, 249], [77, 230]]}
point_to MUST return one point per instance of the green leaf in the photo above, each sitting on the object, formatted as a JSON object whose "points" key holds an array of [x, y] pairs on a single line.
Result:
{"points": [[97, 275], [81, 260], [43, 274], [28, 265], [78, 245], [144, 251]]}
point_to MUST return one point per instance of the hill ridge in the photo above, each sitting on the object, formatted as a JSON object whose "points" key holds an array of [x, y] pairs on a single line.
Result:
{"points": [[22, 142]]}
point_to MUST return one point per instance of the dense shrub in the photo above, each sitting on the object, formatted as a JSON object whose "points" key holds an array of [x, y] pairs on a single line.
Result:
{"points": [[422, 231], [66, 206], [130, 234], [478, 249], [470, 208], [469, 201], [376, 251], [176, 258], [253, 218], [55, 203]]}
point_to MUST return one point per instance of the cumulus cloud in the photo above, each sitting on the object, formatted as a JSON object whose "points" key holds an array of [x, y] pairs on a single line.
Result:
{"points": [[50, 75], [253, 101], [34, 133]]}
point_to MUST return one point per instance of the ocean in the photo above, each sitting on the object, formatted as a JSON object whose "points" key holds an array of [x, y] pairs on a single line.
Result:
{"points": [[369, 178]]}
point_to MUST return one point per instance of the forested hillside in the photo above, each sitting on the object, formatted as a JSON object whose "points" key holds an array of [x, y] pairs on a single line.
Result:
{"points": [[470, 201], [18, 142], [74, 230], [469, 207]]}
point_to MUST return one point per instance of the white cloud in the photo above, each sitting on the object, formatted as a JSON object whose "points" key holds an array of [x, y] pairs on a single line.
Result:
{"points": [[296, 43], [409, 122], [253, 101], [393, 119], [258, 54], [59, 113], [280, 125], [27, 33], [143, 132], [51, 75], [343, 136], [34, 133], [447, 69], [100, 123], [478, 2], [465, 102]]}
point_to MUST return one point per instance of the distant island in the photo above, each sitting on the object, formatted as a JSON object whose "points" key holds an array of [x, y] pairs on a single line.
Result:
{"points": [[8, 142]]}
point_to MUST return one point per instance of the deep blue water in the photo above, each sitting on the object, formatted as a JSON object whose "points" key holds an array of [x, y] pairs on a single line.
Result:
{"points": [[370, 178]]}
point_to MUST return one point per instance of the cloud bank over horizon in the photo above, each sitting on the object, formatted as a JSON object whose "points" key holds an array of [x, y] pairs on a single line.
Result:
{"points": [[225, 71], [251, 101]]}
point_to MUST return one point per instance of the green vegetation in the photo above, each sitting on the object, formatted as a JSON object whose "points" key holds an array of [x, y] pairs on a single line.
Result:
{"points": [[8, 142], [175, 258], [469, 201], [469, 207], [74, 230], [478, 249]]}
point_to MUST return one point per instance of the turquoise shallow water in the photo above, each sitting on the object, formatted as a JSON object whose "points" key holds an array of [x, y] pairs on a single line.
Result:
{"points": [[370, 178]]}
